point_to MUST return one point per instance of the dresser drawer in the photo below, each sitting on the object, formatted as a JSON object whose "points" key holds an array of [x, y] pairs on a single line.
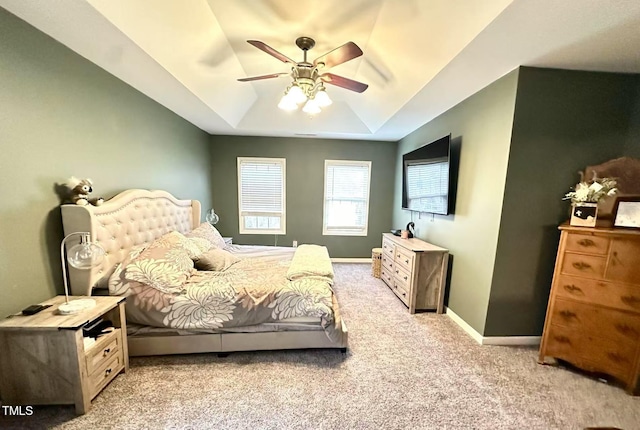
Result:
{"points": [[403, 278], [597, 321], [387, 276], [103, 350], [620, 296], [104, 374], [584, 265], [388, 248], [400, 291], [404, 258], [387, 261], [591, 353], [587, 243]]}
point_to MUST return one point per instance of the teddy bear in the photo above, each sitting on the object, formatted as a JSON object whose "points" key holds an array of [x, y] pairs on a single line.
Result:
{"points": [[78, 192]]}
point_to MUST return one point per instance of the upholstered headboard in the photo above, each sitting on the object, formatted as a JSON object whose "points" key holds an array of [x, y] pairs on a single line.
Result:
{"points": [[133, 217]]}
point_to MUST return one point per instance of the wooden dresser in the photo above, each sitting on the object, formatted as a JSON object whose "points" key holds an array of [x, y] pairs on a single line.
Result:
{"points": [[593, 317], [415, 271]]}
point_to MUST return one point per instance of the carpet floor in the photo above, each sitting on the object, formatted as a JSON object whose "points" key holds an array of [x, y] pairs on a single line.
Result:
{"points": [[401, 371]]}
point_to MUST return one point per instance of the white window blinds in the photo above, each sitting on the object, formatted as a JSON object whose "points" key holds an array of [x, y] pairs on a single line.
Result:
{"points": [[346, 197], [261, 195], [427, 186]]}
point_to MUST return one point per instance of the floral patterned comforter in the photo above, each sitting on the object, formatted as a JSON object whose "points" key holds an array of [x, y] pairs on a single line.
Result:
{"points": [[253, 291]]}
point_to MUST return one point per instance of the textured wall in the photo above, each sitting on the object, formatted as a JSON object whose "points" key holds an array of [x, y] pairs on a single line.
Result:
{"points": [[564, 121], [481, 127], [304, 188], [61, 115]]}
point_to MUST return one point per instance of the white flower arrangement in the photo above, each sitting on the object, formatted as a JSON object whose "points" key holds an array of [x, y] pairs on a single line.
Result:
{"points": [[592, 192]]}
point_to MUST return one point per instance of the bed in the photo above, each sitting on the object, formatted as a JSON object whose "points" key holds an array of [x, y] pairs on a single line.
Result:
{"points": [[134, 221]]}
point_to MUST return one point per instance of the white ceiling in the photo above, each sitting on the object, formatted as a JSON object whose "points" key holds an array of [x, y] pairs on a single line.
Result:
{"points": [[421, 57]]}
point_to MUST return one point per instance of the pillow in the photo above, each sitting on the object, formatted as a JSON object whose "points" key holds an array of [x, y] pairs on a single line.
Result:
{"points": [[216, 260], [165, 265], [118, 285], [209, 232], [194, 246]]}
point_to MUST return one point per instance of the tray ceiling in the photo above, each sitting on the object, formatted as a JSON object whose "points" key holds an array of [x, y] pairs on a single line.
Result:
{"points": [[421, 57]]}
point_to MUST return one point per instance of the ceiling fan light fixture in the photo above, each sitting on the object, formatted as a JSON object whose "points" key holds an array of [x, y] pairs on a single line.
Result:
{"points": [[322, 98], [287, 103], [297, 94], [311, 107]]}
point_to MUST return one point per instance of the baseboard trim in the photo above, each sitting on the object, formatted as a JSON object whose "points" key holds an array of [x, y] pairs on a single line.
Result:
{"points": [[351, 260], [492, 340]]}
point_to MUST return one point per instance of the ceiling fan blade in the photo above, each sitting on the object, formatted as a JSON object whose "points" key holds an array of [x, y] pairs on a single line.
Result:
{"points": [[269, 50], [340, 55], [257, 78], [341, 81]]}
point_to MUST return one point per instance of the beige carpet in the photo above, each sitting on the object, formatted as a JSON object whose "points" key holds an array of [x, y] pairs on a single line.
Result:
{"points": [[401, 372]]}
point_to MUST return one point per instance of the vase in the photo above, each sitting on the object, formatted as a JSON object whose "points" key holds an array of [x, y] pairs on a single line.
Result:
{"points": [[584, 214]]}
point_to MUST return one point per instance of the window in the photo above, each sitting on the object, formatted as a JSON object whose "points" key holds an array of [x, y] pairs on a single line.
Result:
{"points": [[261, 195], [346, 197], [427, 186]]}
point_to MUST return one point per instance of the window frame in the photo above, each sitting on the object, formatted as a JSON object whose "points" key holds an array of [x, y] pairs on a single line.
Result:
{"points": [[283, 217], [346, 232]]}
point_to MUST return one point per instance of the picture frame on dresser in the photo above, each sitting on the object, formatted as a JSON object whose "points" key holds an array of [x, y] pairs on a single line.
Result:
{"points": [[627, 212]]}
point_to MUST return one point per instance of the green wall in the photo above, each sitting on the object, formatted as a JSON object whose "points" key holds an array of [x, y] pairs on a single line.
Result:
{"points": [[481, 126], [304, 188], [632, 147], [61, 115], [564, 121]]}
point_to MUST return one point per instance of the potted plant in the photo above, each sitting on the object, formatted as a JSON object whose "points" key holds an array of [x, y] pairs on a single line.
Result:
{"points": [[585, 198]]}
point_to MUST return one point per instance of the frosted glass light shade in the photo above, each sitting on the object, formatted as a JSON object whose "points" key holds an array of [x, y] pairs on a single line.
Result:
{"points": [[287, 103], [322, 98], [311, 107], [297, 95]]}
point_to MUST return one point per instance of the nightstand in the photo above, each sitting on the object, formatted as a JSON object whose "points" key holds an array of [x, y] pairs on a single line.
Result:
{"points": [[228, 240], [43, 358]]}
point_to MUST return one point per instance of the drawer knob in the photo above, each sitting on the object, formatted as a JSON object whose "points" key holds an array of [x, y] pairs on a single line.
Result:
{"points": [[632, 301], [581, 265], [586, 242], [405, 278], [406, 261], [567, 315], [107, 372], [626, 330], [562, 339], [404, 294], [573, 289], [106, 351]]}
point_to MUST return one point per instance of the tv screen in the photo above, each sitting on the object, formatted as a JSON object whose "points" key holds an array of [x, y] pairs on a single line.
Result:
{"points": [[426, 178]]}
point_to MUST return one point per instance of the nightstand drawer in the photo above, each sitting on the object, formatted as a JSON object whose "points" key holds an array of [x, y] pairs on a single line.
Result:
{"points": [[103, 350], [103, 375]]}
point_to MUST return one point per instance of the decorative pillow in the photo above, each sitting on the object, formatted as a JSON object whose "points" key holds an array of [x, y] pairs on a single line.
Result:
{"points": [[217, 260], [165, 268], [209, 232], [118, 285]]}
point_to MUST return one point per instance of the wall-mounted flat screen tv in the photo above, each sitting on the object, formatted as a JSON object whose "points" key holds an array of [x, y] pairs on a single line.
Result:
{"points": [[426, 178]]}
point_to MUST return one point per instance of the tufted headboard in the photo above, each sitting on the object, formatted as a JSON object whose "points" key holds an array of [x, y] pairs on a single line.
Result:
{"points": [[131, 218]]}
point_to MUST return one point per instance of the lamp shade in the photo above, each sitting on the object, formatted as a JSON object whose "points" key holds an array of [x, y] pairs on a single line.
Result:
{"points": [[212, 217], [297, 95], [311, 107], [85, 255], [287, 103], [322, 98]]}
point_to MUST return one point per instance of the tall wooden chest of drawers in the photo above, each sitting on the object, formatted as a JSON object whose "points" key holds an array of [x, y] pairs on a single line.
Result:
{"points": [[593, 317], [415, 271]]}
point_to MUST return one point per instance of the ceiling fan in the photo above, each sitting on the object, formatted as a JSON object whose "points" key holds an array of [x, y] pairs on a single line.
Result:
{"points": [[309, 78]]}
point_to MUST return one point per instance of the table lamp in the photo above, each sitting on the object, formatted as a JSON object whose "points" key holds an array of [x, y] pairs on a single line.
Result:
{"points": [[212, 217], [83, 256]]}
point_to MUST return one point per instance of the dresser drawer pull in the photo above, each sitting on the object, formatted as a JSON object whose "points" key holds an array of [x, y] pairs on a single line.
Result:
{"points": [[406, 261], [626, 330], [107, 372], [106, 352], [404, 294], [405, 278], [567, 315], [616, 357], [586, 242], [581, 265], [573, 289], [562, 339], [631, 301]]}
